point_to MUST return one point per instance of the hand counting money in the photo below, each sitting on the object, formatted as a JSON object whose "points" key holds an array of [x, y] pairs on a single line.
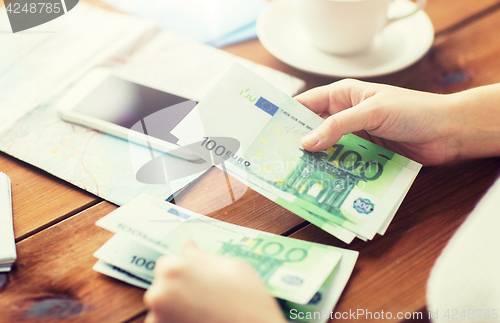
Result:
{"points": [[292, 269], [303, 275], [353, 188]]}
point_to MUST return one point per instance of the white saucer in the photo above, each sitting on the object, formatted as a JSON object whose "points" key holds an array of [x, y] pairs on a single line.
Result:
{"points": [[399, 45]]}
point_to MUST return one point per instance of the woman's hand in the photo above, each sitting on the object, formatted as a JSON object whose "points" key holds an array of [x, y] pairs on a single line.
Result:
{"points": [[198, 287], [428, 128]]}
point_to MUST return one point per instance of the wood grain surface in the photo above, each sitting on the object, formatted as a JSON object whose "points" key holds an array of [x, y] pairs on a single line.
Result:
{"points": [[53, 277], [54, 222], [210, 195], [39, 199], [447, 14], [467, 57]]}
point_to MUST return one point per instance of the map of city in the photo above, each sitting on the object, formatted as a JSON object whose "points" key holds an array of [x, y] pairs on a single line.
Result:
{"points": [[31, 130]]}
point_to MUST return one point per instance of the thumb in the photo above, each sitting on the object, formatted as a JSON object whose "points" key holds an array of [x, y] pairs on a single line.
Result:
{"points": [[335, 126], [190, 249]]}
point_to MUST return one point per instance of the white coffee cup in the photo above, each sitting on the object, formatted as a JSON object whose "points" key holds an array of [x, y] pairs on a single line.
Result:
{"points": [[345, 27]]}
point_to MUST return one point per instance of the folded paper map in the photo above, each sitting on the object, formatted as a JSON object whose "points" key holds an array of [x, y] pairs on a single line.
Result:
{"points": [[37, 66]]}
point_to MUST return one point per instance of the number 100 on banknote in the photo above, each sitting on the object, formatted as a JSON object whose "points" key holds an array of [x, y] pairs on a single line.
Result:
{"points": [[354, 186]]}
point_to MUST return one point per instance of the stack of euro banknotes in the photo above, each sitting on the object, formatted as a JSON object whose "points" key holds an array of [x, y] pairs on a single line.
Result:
{"points": [[252, 131], [303, 276]]}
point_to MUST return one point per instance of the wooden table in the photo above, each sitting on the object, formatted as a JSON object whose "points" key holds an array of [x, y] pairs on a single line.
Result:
{"points": [[52, 279]]}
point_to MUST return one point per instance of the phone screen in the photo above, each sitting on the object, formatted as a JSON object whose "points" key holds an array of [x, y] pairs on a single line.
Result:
{"points": [[129, 104]]}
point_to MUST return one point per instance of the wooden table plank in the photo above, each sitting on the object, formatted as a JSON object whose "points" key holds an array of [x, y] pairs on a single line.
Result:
{"points": [[445, 14], [138, 319], [53, 277], [466, 58], [392, 271], [65, 285], [39, 199], [209, 195]]}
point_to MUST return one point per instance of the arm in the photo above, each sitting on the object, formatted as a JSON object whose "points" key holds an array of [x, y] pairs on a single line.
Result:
{"points": [[477, 122], [200, 287], [429, 128]]}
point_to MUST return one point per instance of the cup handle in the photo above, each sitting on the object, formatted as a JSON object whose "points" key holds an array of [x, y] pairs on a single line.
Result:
{"points": [[419, 5]]}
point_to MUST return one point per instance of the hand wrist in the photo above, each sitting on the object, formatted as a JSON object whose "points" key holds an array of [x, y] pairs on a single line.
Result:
{"points": [[475, 121]]}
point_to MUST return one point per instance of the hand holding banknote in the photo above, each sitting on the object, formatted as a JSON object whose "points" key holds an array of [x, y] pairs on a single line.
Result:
{"points": [[235, 275], [428, 128], [410, 123], [199, 287]]}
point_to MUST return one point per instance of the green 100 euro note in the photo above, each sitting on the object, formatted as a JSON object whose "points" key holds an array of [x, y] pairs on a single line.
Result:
{"points": [[292, 269], [354, 186], [130, 261]]}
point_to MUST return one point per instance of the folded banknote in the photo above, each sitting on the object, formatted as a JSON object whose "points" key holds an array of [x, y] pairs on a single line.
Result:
{"points": [[292, 269], [252, 131], [306, 278]]}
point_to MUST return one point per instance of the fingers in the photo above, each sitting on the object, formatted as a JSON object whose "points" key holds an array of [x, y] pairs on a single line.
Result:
{"points": [[317, 99], [346, 103], [190, 249], [158, 298], [151, 299], [171, 266], [337, 125], [350, 106], [171, 275], [151, 318]]}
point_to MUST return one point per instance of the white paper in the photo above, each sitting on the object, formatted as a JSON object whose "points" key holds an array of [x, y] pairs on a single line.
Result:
{"points": [[206, 21], [7, 240]]}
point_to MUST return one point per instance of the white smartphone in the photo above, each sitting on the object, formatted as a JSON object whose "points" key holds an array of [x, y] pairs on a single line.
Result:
{"points": [[126, 109]]}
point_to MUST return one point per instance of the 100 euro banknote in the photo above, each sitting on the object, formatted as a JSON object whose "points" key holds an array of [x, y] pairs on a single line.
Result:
{"points": [[130, 261], [354, 184], [292, 269]]}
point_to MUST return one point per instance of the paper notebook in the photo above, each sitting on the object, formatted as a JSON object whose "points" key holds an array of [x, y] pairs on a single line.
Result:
{"points": [[7, 242]]}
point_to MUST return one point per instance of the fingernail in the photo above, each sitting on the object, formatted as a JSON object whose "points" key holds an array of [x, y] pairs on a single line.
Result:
{"points": [[189, 247], [311, 139]]}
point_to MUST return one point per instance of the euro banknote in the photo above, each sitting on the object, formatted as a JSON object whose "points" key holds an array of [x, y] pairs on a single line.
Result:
{"points": [[291, 269], [129, 261], [113, 271], [354, 184]]}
